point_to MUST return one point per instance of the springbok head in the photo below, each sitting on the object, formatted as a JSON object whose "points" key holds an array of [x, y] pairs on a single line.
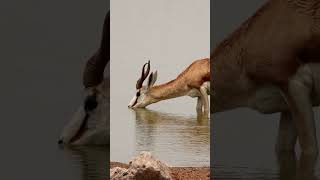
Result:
{"points": [[143, 97], [90, 124]]}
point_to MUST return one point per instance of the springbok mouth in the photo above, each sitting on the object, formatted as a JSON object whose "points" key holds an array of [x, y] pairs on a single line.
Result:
{"points": [[134, 107], [83, 128]]}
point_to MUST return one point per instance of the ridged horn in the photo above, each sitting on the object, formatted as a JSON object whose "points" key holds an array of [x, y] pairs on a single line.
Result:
{"points": [[144, 75], [93, 72]]}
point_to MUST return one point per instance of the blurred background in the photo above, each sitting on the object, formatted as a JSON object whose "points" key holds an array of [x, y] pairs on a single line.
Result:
{"points": [[243, 140], [43, 49]]}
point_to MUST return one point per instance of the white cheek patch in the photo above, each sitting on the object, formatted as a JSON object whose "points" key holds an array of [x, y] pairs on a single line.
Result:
{"points": [[142, 98], [133, 100]]}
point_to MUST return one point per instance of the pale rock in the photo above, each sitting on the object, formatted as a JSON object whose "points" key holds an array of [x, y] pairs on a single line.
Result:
{"points": [[142, 167]]}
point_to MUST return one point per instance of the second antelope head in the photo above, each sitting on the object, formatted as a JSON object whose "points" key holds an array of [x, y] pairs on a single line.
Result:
{"points": [[143, 97], [90, 124]]}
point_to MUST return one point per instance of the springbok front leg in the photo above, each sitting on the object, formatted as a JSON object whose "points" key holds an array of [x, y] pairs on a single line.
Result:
{"points": [[287, 135], [297, 94], [204, 96]]}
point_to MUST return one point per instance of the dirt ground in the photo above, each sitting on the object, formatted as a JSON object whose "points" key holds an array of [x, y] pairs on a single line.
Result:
{"points": [[180, 173]]}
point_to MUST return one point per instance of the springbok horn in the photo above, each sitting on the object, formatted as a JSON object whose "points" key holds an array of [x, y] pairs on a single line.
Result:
{"points": [[144, 75], [93, 72]]}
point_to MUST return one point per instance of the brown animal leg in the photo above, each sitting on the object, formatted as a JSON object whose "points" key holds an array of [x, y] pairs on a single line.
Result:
{"points": [[306, 168], [287, 162], [297, 95], [287, 135]]}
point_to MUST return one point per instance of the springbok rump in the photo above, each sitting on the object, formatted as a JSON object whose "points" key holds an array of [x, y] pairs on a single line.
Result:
{"points": [[271, 64], [194, 81], [90, 124]]}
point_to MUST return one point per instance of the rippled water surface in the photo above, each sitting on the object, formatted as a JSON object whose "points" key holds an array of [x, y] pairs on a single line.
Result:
{"points": [[180, 140], [287, 169], [244, 148], [91, 161]]}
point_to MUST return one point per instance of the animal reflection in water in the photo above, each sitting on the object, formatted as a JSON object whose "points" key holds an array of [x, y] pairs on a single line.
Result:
{"points": [[157, 130], [289, 167], [92, 161], [292, 168]]}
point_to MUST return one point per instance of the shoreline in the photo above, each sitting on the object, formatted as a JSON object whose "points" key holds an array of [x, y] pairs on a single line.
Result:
{"points": [[179, 173]]}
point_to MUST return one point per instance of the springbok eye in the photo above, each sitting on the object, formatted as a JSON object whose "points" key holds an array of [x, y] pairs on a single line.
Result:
{"points": [[138, 94]]}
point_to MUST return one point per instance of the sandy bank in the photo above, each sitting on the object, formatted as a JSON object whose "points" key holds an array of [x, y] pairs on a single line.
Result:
{"points": [[179, 173]]}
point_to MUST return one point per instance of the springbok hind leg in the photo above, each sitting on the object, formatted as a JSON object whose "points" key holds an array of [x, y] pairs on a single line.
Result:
{"points": [[297, 95], [199, 105], [287, 135], [204, 97]]}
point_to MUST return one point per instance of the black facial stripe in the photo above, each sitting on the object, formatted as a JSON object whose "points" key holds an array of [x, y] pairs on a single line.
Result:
{"points": [[135, 102], [82, 129], [138, 94]]}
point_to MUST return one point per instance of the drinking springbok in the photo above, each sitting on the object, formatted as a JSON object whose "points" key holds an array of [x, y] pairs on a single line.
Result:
{"points": [[271, 64], [193, 81], [90, 124]]}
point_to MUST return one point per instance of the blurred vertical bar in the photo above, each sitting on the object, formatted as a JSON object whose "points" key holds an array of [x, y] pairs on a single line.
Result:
{"points": [[107, 70], [211, 89]]}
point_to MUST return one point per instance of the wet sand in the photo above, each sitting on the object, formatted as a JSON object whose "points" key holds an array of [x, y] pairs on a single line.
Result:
{"points": [[179, 173]]}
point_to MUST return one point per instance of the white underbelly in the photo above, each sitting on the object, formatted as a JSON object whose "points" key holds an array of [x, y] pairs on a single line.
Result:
{"points": [[268, 99], [196, 92]]}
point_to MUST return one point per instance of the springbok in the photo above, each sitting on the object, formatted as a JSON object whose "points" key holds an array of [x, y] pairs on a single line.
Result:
{"points": [[193, 81], [271, 64], [90, 124]]}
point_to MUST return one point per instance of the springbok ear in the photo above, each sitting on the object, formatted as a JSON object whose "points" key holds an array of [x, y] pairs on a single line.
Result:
{"points": [[152, 78]]}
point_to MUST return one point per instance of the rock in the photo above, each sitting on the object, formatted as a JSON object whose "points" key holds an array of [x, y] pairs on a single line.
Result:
{"points": [[146, 167], [142, 167], [118, 173]]}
